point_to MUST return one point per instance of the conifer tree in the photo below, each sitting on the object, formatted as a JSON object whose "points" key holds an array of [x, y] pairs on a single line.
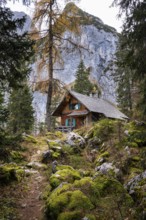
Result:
{"points": [[82, 82], [15, 49], [135, 42], [21, 113]]}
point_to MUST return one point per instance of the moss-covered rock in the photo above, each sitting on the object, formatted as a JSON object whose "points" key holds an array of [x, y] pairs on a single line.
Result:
{"points": [[79, 201], [87, 196], [10, 172], [68, 201], [102, 158], [64, 175]]}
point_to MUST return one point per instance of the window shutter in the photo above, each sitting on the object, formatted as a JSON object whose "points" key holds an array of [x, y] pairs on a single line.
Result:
{"points": [[74, 122], [66, 122]]}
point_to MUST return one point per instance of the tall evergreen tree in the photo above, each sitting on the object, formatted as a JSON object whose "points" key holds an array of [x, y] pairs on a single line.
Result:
{"points": [[21, 113], [135, 40], [123, 76], [15, 49], [82, 82]]}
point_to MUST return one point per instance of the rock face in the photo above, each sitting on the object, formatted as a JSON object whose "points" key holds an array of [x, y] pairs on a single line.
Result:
{"points": [[97, 48]]}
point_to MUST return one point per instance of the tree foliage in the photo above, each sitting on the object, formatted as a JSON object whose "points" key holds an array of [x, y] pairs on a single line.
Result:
{"points": [[21, 113], [135, 42], [48, 43], [15, 49], [82, 82]]}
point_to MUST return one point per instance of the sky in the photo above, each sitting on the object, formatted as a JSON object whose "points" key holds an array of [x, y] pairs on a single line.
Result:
{"points": [[98, 8]]}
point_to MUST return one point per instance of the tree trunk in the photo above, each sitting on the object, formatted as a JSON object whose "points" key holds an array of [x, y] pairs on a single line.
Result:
{"points": [[50, 70]]}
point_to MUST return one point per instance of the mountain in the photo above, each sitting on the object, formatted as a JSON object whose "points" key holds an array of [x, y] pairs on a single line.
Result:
{"points": [[98, 43]]}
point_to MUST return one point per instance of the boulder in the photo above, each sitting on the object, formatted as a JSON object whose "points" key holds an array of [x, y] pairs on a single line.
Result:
{"points": [[74, 139], [106, 168]]}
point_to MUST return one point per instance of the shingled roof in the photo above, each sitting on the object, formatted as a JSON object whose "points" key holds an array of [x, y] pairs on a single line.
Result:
{"points": [[97, 105]]}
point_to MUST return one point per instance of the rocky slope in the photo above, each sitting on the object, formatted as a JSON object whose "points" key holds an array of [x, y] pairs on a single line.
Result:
{"points": [[93, 173]]}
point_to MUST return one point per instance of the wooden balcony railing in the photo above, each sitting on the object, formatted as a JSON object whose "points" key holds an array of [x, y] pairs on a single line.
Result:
{"points": [[64, 128]]}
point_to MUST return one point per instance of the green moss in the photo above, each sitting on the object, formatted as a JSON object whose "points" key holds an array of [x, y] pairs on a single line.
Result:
{"points": [[83, 183], [80, 201], [105, 184], [72, 215], [57, 204], [64, 175], [62, 167], [79, 162], [88, 186], [52, 144], [30, 139], [102, 158], [55, 155], [136, 159], [74, 203], [17, 156], [67, 149], [54, 135], [10, 172], [59, 134], [46, 193]]}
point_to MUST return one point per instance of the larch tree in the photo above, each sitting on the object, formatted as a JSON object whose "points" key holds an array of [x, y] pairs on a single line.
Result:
{"points": [[48, 12]]}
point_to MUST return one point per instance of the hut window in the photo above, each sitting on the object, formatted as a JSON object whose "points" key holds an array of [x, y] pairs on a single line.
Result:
{"points": [[74, 106], [70, 122]]}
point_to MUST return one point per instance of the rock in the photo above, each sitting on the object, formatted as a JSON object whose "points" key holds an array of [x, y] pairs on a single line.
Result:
{"points": [[134, 182], [35, 165], [126, 132], [54, 164], [105, 168], [29, 172], [85, 218], [46, 156], [74, 139], [66, 174], [94, 142]]}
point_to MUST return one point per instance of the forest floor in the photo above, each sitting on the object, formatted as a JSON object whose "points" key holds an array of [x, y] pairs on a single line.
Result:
{"points": [[23, 200]]}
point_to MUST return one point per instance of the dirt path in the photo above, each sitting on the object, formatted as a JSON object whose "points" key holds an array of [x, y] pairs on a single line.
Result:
{"points": [[30, 205]]}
